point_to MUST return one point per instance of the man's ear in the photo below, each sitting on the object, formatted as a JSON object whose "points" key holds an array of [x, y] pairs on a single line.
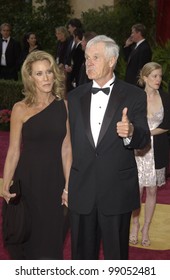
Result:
{"points": [[112, 62]]}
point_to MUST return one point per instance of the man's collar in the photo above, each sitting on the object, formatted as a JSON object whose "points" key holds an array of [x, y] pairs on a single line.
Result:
{"points": [[138, 43]]}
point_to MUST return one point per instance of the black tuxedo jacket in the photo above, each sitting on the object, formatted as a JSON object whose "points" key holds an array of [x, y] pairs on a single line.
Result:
{"points": [[106, 175], [13, 52], [83, 78], [136, 59], [68, 54], [13, 55], [77, 58]]}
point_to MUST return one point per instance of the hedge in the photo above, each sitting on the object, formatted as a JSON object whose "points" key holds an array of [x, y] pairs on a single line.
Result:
{"points": [[10, 93]]}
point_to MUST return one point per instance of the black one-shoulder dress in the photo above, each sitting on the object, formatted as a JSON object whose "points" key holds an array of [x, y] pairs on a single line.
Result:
{"points": [[40, 171]]}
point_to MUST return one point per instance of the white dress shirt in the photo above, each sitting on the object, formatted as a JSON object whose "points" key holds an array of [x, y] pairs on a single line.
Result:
{"points": [[99, 102], [4, 47], [137, 44]]}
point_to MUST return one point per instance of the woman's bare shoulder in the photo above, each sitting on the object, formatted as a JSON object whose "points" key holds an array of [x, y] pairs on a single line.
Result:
{"points": [[19, 109], [19, 106]]}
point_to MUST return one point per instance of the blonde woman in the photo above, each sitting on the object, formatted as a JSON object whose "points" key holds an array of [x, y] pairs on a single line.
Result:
{"points": [[153, 160], [39, 122]]}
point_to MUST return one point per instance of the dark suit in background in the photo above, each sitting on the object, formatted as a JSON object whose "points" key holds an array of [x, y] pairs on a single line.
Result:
{"points": [[83, 78], [72, 25], [136, 58], [87, 36], [77, 58]]}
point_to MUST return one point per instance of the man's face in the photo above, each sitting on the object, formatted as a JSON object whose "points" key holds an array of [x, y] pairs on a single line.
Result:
{"points": [[71, 29], [98, 66], [5, 32], [135, 35]]}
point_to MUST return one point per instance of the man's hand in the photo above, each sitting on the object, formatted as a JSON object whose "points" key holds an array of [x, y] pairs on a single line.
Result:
{"points": [[128, 42], [124, 127]]}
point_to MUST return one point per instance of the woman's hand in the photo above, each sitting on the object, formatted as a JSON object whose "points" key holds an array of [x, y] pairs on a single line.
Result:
{"points": [[65, 198], [7, 195]]}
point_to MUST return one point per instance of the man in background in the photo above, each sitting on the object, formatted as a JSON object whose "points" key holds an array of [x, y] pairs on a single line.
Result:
{"points": [[72, 25], [137, 52], [10, 52]]}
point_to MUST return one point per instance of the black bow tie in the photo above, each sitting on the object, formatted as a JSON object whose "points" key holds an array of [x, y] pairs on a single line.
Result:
{"points": [[4, 40], [105, 90]]}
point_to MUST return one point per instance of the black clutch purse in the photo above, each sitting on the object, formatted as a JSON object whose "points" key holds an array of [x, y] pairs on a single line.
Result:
{"points": [[16, 223]]}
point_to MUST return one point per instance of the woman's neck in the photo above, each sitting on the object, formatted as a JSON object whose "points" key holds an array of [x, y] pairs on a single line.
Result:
{"points": [[151, 92], [44, 100]]}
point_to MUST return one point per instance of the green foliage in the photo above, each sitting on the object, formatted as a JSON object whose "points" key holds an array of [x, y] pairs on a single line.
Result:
{"points": [[161, 55], [120, 68], [9, 9], [41, 20], [117, 21], [114, 22], [10, 93], [47, 17]]}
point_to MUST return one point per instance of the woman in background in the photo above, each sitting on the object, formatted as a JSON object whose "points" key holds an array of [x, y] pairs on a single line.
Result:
{"points": [[39, 122], [30, 44], [153, 160]]}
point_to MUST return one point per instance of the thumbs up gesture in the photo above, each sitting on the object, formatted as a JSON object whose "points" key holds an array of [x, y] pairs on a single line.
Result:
{"points": [[124, 127]]}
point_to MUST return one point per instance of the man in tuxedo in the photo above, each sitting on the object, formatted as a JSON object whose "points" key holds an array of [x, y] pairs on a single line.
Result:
{"points": [[10, 52], [77, 58], [72, 25], [137, 53], [107, 122]]}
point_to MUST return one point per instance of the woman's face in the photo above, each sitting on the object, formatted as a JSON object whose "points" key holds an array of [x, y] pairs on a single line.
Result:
{"points": [[32, 40], [60, 36], [154, 79], [42, 76]]}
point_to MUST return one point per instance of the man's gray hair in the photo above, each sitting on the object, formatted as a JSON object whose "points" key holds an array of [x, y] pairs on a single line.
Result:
{"points": [[111, 48]]}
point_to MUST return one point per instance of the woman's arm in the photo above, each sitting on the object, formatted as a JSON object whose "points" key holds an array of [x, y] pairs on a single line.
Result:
{"points": [[13, 150], [158, 131], [67, 161]]}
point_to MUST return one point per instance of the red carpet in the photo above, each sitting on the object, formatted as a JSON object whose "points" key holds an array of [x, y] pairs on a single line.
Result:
{"points": [[163, 197]]}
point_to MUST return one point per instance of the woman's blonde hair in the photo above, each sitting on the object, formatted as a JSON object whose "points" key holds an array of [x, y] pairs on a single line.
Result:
{"points": [[59, 86], [146, 70]]}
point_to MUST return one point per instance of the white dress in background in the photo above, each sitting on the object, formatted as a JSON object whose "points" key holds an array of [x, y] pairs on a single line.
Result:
{"points": [[148, 175]]}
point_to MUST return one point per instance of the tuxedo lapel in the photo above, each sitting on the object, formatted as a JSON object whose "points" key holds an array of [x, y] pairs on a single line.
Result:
{"points": [[85, 107], [132, 54], [113, 105], [136, 49]]}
